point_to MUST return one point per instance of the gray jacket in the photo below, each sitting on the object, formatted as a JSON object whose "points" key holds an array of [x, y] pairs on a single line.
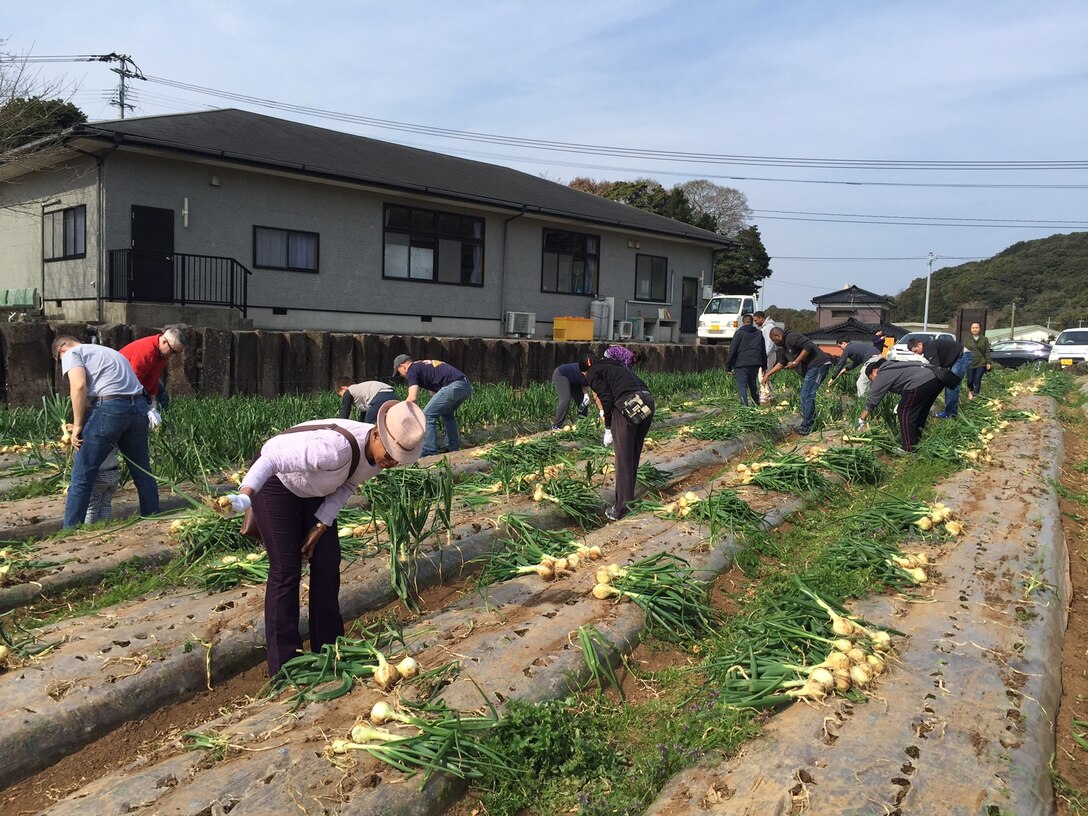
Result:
{"points": [[898, 377]]}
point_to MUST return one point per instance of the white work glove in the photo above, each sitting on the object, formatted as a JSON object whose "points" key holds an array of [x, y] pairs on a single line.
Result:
{"points": [[585, 401], [861, 424], [239, 502], [607, 437], [154, 419]]}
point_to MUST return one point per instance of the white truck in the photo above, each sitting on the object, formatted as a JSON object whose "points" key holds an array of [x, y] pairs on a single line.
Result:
{"points": [[721, 317]]}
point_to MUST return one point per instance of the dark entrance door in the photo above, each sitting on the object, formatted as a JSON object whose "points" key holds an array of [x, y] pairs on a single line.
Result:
{"points": [[689, 305], [152, 254]]}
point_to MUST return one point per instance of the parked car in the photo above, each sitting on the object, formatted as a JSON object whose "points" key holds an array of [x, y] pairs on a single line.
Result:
{"points": [[1015, 353], [899, 350], [1070, 347]]}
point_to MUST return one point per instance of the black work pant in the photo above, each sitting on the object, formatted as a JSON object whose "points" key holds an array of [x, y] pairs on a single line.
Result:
{"points": [[914, 408], [627, 439], [285, 520]]}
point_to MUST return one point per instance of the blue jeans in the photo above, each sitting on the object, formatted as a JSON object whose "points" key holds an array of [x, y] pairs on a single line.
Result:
{"points": [[112, 424], [814, 378], [747, 378], [441, 406], [952, 395], [974, 379], [371, 417]]}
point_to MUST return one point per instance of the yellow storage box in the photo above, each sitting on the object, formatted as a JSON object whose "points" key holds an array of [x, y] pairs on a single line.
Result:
{"points": [[573, 328]]}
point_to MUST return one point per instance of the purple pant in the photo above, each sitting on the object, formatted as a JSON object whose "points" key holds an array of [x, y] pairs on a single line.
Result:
{"points": [[284, 520]]}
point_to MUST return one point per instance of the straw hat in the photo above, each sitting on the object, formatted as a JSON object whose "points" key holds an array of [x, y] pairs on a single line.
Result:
{"points": [[400, 427]]}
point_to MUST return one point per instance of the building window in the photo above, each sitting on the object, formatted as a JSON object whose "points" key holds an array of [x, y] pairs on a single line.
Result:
{"points": [[64, 234], [651, 277], [433, 246], [285, 249], [571, 263], [843, 314]]}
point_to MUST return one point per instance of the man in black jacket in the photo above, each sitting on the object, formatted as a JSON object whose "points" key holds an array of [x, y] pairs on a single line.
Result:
{"points": [[799, 352], [615, 385], [950, 354], [747, 355]]}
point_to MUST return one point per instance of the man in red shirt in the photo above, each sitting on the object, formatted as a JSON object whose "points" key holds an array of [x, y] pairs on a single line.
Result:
{"points": [[148, 358]]}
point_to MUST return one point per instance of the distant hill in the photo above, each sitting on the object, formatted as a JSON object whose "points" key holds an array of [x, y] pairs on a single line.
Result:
{"points": [[1048, 278]]}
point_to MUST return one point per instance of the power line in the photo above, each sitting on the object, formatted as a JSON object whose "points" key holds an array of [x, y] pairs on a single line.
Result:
{"points": [[912, 223], [922, 258], [644, 153], [1005, 221]]}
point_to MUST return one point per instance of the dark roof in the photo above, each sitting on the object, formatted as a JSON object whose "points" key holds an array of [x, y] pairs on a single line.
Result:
{"points": [[851, 294], [251, 139], [854, 329]]}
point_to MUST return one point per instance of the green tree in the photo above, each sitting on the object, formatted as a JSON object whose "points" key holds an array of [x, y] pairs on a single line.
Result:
{"points": [[799, 320], [739, 271], [26, 119]]}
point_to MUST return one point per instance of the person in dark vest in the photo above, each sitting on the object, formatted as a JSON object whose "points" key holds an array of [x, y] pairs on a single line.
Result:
{"points": [[628, 410], [747, 355]]}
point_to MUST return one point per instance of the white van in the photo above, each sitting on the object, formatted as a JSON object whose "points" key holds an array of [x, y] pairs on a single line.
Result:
{"points": [[1070, 348], [721, 317]]}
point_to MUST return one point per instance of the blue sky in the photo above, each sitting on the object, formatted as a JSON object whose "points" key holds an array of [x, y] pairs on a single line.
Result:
{"points": [[910, 81]]}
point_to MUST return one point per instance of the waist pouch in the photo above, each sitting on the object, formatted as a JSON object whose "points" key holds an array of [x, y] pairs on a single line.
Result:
{"points": [[635, 409]]}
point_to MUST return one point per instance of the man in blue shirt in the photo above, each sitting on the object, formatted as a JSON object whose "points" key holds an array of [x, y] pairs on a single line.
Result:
{"points": [[109, 410], [450, 388], [568, 380]]}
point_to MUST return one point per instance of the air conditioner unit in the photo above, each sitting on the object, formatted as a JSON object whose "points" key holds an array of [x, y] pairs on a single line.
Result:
{"points": [[521, 323], [624, 329]]}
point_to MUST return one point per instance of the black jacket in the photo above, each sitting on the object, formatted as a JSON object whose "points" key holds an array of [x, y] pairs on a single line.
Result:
{"points": [[611, 382], [942, 352], [747, 349], [793, 343]]}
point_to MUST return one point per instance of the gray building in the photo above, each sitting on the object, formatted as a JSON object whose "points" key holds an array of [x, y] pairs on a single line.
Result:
{"points": [[203, 216]]}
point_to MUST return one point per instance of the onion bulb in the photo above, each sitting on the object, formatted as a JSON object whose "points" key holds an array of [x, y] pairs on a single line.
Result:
{"points": [[692, 497], [604, 591], [251, 557], [385, 675], [842, 644], [918, 575], [881, 641], [223, 502], [842, 681], [842, 626], [875, 664], [573, 560], [861, 675], [617, 571], [538, 493], [603, 576], [837, 660], [408, 668], [341, 746], [920, 559], [595, 553], [5, 652], [856, 655], [381, 713], [545, 571], [368, 733], [560, 565], [954, 527], [924, 523], [823, 678]]}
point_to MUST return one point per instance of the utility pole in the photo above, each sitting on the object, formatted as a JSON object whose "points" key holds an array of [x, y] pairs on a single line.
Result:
{"points": [[1012, 321], [125, 73], [929, 274]]}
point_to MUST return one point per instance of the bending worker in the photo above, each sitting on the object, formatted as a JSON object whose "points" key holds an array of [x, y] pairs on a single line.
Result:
{"points": [[569, 380], [296, 487], [918, 386]]}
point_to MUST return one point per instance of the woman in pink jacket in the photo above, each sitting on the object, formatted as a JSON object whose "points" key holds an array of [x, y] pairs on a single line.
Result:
{"points": [[296, 488]]}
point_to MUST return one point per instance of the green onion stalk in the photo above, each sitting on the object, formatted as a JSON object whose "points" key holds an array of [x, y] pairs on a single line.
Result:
{"points": [[333, 671], [527, 549], [414, 504], [575, 497], [445, 741], [665, 587]]}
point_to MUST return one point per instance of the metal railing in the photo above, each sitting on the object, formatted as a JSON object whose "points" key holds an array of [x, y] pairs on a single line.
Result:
{"points": [[136, 275]]}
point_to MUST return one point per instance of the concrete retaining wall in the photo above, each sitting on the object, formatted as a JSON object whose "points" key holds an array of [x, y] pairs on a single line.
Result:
{"points": [[269, 363]]}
